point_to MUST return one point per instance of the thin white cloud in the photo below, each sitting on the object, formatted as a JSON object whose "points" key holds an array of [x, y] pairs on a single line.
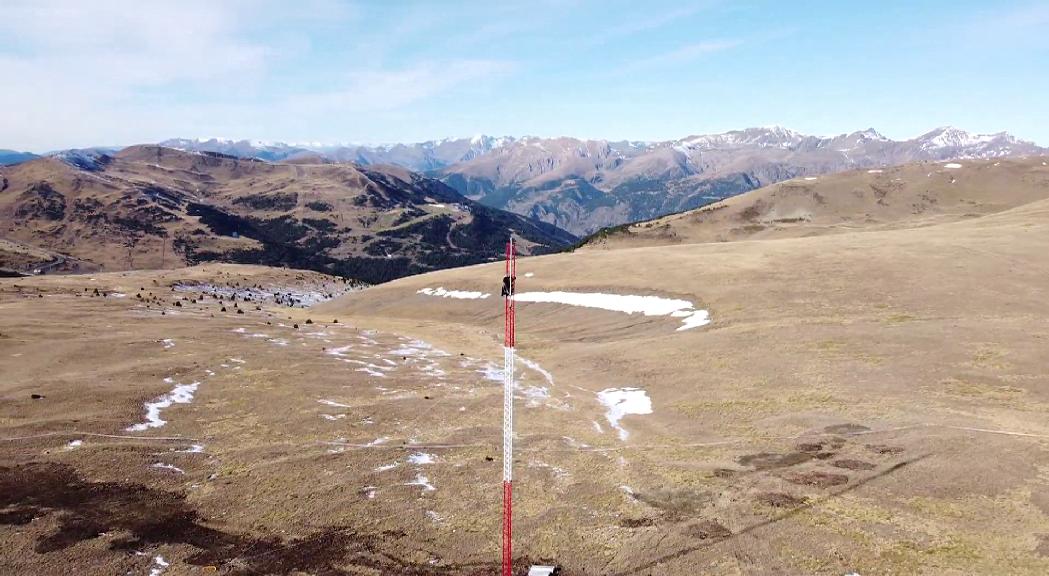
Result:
{"points": [[656, 21], [678, 56], [123, 71], [381, 90]]}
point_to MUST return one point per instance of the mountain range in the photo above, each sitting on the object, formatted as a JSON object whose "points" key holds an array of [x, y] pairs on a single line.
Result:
{"points": [[381, 212], [150, 206], [584, 185]]}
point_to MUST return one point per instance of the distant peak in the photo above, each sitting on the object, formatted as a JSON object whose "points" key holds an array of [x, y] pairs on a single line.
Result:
{"points": [[952, 137]]}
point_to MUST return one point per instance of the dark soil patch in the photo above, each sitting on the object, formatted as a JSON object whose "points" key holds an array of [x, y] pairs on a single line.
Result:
{"points": [[817, 479], [821, 449], [781, 500], [850, 464], [846, 429], [883, 449], [769, 461], [1043, 547], [708, 530], [675, 504], [636, 522], [153, 517], [725, 473]]}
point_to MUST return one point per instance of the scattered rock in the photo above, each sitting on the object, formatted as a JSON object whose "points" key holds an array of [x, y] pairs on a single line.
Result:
{"points": [[883, 449], [817, 479], [708, 530], [35, 396], [636, 522], [781, 500]]}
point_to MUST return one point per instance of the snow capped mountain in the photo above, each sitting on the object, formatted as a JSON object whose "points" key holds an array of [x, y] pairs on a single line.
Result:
{"points": [[421, 156], [951, 137], [262, 149], [952, 143], [769, 137], [89, 159], [581, 185]]}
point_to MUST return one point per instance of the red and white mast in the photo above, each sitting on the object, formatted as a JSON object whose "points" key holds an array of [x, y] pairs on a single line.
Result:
{"points": [[508, 407]]}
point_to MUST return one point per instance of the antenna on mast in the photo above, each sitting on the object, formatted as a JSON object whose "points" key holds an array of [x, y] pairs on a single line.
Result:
{"points": [[508, 403]]}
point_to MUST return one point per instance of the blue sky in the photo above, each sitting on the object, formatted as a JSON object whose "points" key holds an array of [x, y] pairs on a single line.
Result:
{"points": [[123, 71]]}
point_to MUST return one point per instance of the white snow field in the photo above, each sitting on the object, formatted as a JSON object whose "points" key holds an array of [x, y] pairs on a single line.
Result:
{"points": [[623, 401], [647, 305]]}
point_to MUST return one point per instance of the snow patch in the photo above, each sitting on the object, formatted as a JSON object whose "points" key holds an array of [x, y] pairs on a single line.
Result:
{"points": [[420, 458], [181, 394], [423, 481], [159, 564], [334, 403], [459, 294], [623, 401], [874, 171], [647, 305], [535, 366], [952, 165], [163, 466], [73, 445]]}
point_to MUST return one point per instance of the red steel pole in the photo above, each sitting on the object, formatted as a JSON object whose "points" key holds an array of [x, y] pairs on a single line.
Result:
{"points": [[508, 408]]}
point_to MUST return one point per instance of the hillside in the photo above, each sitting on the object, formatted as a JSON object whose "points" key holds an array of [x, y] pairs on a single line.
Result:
{"points": [[148, 206], [855, 401], [913, 195], [871, 401]]}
